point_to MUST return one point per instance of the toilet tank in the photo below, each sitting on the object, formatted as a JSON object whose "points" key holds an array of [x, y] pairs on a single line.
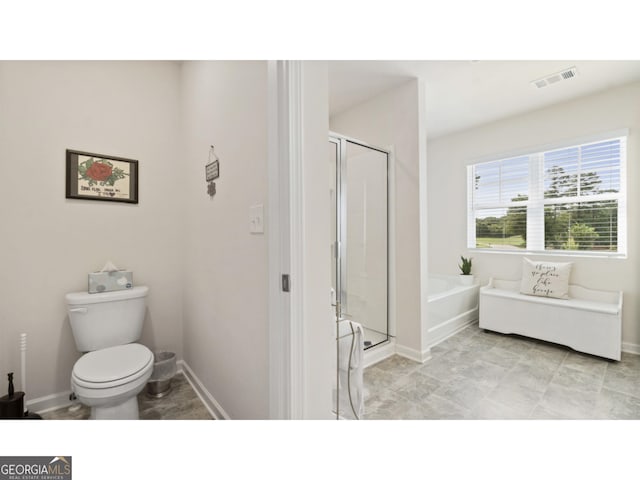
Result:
{"points": [[102, 320]]}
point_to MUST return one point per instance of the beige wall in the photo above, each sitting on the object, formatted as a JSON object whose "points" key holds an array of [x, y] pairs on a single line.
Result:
{"points": [[448, 156], [225, 295], [391, 119], [49, 243]]}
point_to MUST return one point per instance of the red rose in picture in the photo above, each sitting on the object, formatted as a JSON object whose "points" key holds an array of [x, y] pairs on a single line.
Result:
{"points": [[99, 171]]}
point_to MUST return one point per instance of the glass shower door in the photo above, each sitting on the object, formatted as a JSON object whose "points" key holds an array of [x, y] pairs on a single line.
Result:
{"points": [[364, 256], [358, 194], [359, 223]]}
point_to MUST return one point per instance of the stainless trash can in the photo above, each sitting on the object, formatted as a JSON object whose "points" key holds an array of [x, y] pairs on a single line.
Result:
{"points": [[164, 369]]}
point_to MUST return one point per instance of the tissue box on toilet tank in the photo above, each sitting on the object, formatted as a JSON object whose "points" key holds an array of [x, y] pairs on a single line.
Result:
{"points": [[109, 281]]}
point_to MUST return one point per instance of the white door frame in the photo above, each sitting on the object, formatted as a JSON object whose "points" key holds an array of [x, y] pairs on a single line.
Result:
{"points": [[285, 240]]}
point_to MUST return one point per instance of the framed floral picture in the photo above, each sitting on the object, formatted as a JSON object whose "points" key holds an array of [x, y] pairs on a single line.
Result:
{"points": [[92, 176]]}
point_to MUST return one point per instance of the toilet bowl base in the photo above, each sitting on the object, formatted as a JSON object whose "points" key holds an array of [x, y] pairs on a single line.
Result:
{"points": [[127, 410]]}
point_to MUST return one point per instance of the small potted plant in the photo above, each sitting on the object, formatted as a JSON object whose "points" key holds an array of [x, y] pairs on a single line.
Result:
{"points": [[466, 278]]}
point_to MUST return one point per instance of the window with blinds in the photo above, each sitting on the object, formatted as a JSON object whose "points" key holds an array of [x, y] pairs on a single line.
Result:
{"points": [[565, 200]]}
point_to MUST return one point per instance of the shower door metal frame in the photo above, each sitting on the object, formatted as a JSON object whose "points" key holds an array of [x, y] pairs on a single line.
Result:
{"points": [[341, 244], [337, 249]]}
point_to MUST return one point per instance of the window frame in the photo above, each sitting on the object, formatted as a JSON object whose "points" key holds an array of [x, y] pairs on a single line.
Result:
{"points": [[536, 201]]}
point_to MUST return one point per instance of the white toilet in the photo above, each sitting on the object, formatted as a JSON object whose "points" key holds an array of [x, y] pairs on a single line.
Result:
{"points": [[114, 370]]}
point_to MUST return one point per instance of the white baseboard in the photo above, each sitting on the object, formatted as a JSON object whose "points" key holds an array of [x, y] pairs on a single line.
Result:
{"points": [[215, 409], [631, 348], [382, 352], [378, 353], [47, 403], [413, 354]]}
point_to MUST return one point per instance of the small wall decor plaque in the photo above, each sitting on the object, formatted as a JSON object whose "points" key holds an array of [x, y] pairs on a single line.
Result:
{"points": [[92, 176], [212, 171]]}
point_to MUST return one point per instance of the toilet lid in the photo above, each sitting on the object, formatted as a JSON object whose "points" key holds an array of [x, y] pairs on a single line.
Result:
{"points": [[112, 363]]}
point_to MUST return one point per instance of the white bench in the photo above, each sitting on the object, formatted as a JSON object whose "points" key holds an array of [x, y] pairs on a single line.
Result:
{"points": [[589, 321]]}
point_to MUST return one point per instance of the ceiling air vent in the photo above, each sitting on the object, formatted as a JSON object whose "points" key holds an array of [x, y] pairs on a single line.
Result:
{"points": [[555, 78]]}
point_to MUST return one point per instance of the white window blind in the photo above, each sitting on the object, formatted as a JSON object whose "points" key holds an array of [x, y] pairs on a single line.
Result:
{"points": [[563, 200]]}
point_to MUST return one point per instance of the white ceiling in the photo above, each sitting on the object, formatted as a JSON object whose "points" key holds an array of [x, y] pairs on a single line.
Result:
{"points": [[463, 94]]}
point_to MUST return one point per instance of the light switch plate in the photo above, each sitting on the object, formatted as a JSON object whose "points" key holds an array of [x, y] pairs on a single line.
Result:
{"points": [[256, 219]]}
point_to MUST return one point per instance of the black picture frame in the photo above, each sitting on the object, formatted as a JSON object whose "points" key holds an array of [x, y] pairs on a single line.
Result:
{"points": [[94, 176], [212, 170]]}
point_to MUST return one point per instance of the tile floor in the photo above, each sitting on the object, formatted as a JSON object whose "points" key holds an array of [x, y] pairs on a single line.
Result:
{"points": [[182, 403], [475, 374], [478, 374]]}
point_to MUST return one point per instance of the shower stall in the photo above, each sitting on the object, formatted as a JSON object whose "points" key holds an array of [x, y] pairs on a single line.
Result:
{"points": [[359, 255]]}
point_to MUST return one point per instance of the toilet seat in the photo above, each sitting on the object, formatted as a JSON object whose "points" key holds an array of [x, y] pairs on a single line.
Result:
{"points": [[113, 366]]}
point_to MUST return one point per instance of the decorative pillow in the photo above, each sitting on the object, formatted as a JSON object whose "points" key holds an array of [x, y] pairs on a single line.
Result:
{"points": [[545, 279]]}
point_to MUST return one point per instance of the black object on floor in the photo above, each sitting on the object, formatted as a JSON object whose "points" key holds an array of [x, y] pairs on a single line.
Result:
{"points": [[12, 404]]}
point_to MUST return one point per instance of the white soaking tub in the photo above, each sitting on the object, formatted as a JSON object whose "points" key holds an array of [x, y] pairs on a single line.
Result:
{"points": [[451, 306]]}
